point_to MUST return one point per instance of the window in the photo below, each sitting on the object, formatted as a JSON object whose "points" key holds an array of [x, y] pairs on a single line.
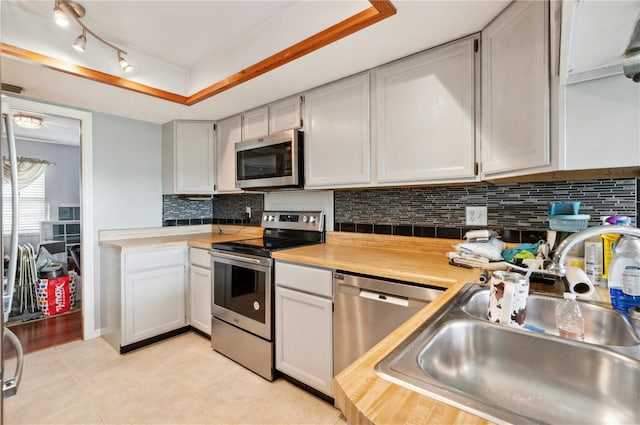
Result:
{"points": [[31, 207]]}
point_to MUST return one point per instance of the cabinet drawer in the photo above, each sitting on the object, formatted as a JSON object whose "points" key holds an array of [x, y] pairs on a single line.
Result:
{"points": [[200, 257], [303, 278], [152, 259]]}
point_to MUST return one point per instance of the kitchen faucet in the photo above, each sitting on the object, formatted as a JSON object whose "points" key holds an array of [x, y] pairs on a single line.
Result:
{"points": [[557, 264]]}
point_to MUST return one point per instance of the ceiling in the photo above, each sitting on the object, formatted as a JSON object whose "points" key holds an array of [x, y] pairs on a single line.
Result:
{"points": [[183, 46]]}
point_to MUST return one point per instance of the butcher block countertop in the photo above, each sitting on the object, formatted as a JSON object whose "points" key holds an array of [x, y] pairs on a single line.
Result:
{"points": [[413, 259], [195, 236], [359, 393]]}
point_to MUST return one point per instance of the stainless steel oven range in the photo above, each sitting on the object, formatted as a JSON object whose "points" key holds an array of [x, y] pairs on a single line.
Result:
{"points": [[242, 324]]}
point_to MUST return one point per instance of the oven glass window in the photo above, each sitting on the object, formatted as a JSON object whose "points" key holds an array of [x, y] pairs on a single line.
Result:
{"points": [[241, 290], [265, 162]]}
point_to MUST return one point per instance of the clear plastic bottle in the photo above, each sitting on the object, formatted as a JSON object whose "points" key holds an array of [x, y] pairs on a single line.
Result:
{"points": [[569, 320]]}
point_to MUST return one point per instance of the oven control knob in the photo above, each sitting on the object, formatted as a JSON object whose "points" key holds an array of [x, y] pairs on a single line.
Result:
{"points": [[305, 218], [312, 219], [271, 218], [265, 218]]}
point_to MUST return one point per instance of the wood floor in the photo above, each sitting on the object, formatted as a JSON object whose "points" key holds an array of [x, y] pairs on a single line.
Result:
{"points": [[40, 334]]}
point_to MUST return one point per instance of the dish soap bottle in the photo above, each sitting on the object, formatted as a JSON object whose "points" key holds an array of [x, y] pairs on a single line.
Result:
{"points": [[624, 275], [569, 320]]}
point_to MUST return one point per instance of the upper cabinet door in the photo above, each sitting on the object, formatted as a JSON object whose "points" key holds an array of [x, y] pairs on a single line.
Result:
{"points": [[424, 116], [285, 114], [336, 139], [515, 89], [228, 132], [188, 152], [255, 123]]}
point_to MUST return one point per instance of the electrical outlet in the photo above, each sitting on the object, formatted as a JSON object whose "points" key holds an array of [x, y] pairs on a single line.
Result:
{"points": [[247, 211], [476, 216]]}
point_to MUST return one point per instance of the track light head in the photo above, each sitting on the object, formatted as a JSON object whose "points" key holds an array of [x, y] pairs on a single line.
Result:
{"points": [[126, 66], [64, 8], [81, 42], [60, 16]]}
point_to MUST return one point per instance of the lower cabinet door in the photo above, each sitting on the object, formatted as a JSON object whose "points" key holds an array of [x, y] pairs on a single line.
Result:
{"points": [[154, 303], [304, 338], [200, 294]]}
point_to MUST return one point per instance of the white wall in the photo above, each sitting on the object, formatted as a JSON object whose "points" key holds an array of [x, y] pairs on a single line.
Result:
{"points": [[126, 179]]}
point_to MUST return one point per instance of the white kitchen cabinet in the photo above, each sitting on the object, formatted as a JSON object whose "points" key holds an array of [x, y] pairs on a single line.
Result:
{"points": [[516, 90], [304, 324], [200, 289], [228, 134], [255, 123], [188, 157], [153, 292], [142, 293], [424, 115], [285, 114], [337, 136]]}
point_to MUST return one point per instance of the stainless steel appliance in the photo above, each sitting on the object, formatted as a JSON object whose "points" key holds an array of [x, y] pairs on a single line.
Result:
{"points": [[271, 162], [243, 287], [367, 309], [9, 385]]}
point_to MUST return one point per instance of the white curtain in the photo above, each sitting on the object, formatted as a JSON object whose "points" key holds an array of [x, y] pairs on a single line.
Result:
{"points": [[29, 169]]}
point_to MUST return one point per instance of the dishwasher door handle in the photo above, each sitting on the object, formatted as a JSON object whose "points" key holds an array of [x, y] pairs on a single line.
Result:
{"points": [[385, 298]]}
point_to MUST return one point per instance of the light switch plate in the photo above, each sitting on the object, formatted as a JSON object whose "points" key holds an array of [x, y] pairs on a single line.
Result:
{"points": [[476, 216]]}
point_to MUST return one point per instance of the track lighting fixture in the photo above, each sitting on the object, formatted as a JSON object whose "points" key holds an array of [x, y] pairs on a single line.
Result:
{"points": [[126, 67], [69, 8], [81, 42]]}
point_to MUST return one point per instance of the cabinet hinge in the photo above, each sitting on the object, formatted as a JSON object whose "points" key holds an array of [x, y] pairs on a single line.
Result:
{"points": [[301, 100], [301, 123], [476, 45], [215, 187], [476, 168], [215, 126]]}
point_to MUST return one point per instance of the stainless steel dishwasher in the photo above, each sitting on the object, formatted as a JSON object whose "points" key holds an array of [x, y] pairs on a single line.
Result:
{"points": [[366, 309]]}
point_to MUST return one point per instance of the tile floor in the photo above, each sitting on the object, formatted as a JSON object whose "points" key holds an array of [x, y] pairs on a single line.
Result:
{"points": [[177, 381]]}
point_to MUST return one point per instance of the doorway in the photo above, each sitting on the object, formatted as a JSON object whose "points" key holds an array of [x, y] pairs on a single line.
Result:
{"points": [[49, 229], [87, 316]]}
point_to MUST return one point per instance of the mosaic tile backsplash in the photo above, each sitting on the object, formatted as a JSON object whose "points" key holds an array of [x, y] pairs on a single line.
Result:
{"points": [[519, 210], [227, 209], [178, 210], [230, 209]]}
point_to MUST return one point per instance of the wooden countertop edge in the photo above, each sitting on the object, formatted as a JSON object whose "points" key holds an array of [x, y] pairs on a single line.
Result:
{"points": [[196, 240], [365, 398]]}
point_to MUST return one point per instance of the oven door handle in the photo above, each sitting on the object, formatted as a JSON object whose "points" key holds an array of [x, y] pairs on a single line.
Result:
{"points": [[242, 259]]}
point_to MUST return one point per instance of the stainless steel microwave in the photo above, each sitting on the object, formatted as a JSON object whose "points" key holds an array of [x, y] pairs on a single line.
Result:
{"points": [[271, 162]]}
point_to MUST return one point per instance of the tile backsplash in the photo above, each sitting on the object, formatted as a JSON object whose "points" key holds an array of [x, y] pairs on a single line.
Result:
{"points": [[519, 210], [228, 209]]}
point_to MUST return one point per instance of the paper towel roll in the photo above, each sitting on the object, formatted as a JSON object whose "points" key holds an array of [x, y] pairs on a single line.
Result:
{"points": [[579, 282]]}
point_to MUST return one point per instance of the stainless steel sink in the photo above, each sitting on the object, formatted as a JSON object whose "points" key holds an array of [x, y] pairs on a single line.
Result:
{"points": [[603, 325], [510, 375]]}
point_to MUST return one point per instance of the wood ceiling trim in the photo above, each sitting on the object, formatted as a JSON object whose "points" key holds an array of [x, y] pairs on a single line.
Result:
{"points": [[91, 74], [379, 10]]}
